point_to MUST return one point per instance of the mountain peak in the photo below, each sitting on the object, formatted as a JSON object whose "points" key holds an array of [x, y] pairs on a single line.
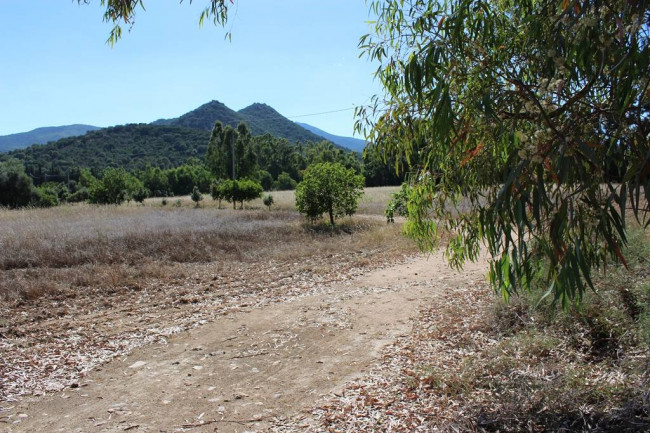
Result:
{"points": [[261, 108]]}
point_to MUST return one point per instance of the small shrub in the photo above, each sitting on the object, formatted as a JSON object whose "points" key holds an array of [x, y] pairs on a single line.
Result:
{"points": [[163, 202], [140, 194], [398, 204], [268, 201], [196, 195]]}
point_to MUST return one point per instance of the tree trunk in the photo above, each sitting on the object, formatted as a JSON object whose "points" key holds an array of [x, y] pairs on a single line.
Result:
{"points": [[331, 212]]}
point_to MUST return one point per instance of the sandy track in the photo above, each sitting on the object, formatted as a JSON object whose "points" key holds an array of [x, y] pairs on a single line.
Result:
{"points": [[244, 369]]}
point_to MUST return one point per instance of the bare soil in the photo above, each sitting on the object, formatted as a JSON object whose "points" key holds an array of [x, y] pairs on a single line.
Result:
{"points": [[243, 368]]}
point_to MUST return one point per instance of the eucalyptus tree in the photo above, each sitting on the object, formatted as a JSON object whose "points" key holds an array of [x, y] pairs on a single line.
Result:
{"points": [[525, 124], [123, 12]]}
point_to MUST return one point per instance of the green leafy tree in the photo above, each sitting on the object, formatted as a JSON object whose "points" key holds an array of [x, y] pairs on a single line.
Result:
{"points": [[329, 188], [216, 192], [182, 179], [380, 172], [285, 182], [115, 187], [229, 190], [156, 181], [527, 124], [86, 178], [46, 196], [265, 179], [240, 191], [215, 156], [250, 190], [196, 196], [227, 144], [16, 187], [246, 160]]}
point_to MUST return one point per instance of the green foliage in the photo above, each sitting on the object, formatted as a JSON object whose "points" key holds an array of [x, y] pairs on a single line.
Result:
{"points": [[277, 155], [398, 204], [325, 151], [81, 194], [265, 179], [268, 201], [86, 178], [196, 195], [121, 12], [139, 194], [215, 157], [379, 171], [328, 188], [182, 179], [227, 144], [16, 187], [216, 191], [526, 124], [155, 180], [46, 196], [51, 194], [240, 190], [115, 187], [284, 182], [131, 147]]}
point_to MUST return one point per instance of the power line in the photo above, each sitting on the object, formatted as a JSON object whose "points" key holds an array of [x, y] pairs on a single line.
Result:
{"points": [[323, 112]]}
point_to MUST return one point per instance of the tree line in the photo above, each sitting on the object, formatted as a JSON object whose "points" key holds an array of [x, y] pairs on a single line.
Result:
{"points": [[273, 163]]}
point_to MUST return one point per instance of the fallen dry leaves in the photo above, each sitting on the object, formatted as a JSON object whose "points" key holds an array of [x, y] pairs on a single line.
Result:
{"points": [[50, 343]]}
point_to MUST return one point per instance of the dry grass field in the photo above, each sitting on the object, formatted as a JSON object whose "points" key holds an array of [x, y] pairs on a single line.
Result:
{"points": [[81, 285], [68, 247], [79, 265]]}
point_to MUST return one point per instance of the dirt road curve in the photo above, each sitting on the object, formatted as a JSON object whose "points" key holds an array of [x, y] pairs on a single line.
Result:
{"points": [[243, 370]]}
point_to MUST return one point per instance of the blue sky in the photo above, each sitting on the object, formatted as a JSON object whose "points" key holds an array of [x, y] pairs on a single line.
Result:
{"points": [[299, 56]]}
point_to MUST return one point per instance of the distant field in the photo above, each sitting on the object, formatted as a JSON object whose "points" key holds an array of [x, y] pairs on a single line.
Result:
{"points": [[64, 248], [373, 201]]}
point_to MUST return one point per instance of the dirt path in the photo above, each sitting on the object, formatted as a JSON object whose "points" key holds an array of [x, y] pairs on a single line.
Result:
{"points": [[242, 370]]}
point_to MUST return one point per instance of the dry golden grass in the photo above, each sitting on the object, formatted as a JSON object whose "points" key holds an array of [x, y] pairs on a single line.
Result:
{"points": [[82, 246]]}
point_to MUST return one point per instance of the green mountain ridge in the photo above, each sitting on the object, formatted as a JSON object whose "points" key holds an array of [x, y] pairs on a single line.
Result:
{"points": [[260, 118], [165, 143], [130, 146]]}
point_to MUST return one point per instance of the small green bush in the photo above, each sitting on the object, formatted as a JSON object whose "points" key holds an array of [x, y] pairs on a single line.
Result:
{"points": [[398, 204], [196, 195], [268, 201]]}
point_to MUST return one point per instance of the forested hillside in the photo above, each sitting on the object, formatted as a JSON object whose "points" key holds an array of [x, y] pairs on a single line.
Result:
{"points": [[129, 146], [260, 118]]}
